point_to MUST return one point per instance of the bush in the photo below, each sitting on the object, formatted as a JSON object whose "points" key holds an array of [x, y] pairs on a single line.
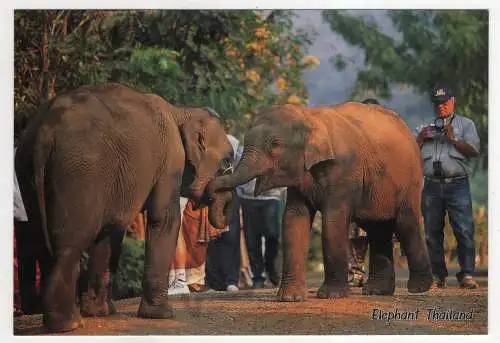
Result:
{"points": [[315, 254], [128, 280]]}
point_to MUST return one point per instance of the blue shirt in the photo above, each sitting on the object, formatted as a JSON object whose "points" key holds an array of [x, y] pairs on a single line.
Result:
{"points": [[439, 148]]}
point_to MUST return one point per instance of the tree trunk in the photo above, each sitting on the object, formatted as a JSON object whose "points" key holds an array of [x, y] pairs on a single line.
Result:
{"points": [[45, 77], [65, 26]]}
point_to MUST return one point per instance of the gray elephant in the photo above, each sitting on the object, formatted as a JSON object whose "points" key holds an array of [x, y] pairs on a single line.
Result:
{"points": [[90, 160], [353, 162]]}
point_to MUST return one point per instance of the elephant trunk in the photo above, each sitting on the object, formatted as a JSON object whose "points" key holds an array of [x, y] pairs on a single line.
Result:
{"points": [[219, 209], [249, 167]]}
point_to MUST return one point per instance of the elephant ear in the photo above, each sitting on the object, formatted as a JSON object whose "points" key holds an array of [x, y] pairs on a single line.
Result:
{"points": [[322, 145], [193, 132]]}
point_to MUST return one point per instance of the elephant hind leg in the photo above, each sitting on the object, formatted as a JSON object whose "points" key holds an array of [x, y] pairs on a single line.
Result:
{"points": [[381, 277], [60, 311], [96, 280], [411, 240], [71, 235]]}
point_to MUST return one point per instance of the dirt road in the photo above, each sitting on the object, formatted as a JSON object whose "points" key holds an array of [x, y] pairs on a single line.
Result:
{"points": [[256, 312]]}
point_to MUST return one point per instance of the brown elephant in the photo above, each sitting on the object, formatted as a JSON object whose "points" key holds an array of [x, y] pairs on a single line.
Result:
{"points": [[347, 162], [94, 157]]}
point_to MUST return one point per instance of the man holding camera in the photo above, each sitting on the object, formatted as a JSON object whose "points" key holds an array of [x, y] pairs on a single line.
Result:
{"points": [[447, 145]]}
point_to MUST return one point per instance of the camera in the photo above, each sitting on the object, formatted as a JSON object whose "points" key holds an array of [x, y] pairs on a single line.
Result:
{"points": [[437, 168], [438, 125]]}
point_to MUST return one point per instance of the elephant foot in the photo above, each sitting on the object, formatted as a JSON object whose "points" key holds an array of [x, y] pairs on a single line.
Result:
{"points": [[97, 308], [332, 292], [373, 287], [291, 294], [53, 324], [160, 311], [420, 284]]}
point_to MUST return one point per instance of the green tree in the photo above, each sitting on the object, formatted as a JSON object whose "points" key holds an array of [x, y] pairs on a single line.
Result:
{"points": [[233, 61], [76, 48], [435, 46]]}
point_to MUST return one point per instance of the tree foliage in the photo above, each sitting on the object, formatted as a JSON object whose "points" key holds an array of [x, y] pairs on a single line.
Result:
{"points": [[233, 61], [435, 46], [127, 283]]}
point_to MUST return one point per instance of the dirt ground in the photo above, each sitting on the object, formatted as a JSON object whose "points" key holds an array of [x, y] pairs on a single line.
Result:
{"points": [[256, 312]]}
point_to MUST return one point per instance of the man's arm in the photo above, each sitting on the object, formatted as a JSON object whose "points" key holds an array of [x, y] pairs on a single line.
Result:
{"points": [[464, 148], [470, 145], [424, 134]]}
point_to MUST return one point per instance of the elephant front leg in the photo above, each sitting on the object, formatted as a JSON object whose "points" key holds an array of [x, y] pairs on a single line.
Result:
{"points": [[161, 238], [335, 242], [381, 277], [297, 222]]}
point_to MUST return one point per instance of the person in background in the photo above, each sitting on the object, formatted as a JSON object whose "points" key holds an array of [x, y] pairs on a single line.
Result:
{"points": [[177, 275], [28, 252], [188, 267], [356, 273], [262, 216], [246, 274], [370, 101], [20, 218], [137, 230], [197, 232], [447, 146], [223, 253]]}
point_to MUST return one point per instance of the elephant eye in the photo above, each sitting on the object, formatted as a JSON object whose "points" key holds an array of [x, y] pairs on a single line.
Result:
{"points": [[226, 166], [201, 143], [274, 144]]}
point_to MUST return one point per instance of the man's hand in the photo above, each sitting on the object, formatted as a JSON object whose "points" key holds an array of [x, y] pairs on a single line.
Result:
{"points": [[448, 130], [463, 147], [426, 133]]}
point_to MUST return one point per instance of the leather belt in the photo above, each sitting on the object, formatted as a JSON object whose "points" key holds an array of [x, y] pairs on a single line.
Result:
{"points": [[446, 179]]}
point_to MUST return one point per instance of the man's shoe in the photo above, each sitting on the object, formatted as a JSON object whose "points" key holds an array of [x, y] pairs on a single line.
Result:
{"points": [[232, 288], [356, 275], [468, 282], [440, 281], [274, 277], [258, 284], [18, 312], [178, 287], [198, 288]]}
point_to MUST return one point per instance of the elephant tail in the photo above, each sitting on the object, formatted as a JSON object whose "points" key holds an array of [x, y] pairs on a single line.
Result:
{"points": [[41, 156]]}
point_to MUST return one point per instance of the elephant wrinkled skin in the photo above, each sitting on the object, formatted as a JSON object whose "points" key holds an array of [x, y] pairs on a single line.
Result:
{"points": [[88, 162], [347, 162]]}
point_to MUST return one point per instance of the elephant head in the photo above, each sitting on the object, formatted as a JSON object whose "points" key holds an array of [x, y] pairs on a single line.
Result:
{"points": [[281, 149], [208, 154]]}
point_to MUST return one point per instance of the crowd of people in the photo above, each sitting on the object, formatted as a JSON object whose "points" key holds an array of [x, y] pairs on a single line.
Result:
{"points": [[246, 253], [209, 259]]}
